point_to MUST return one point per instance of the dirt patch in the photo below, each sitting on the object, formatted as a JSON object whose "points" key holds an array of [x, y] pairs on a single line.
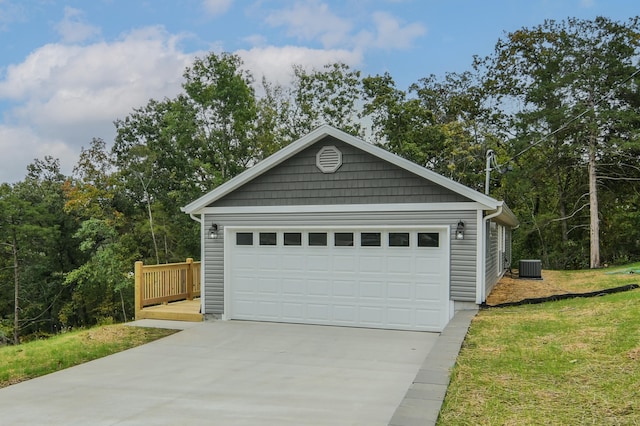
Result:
{"points": [[107, 334], [510, 288], [634, 354]]}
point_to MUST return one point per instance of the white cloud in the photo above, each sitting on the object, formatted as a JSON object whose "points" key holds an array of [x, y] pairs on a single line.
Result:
{"points": [[73, 28], [65, 85], [66, 95], [216, 7], [390, 33], [25, 146], [62, 94], [33, 74], [275, 63], [312, 20]]}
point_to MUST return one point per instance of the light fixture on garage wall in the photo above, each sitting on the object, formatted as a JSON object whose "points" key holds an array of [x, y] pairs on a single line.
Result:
{"points": [[213, 231], [460, 231]]}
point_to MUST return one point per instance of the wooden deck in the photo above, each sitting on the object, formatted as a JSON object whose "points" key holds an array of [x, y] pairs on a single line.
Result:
{"points": [[184, 310], [168, 292]]}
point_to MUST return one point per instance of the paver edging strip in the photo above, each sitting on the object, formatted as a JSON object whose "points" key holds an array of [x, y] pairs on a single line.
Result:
{"points": [[556, 297], [423, 400]]}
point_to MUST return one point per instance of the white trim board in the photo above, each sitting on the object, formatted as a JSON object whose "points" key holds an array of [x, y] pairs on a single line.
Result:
{"points": [[346, 208], [330, 228]]}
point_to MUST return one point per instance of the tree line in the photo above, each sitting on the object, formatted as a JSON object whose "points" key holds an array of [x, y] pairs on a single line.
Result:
{"points": [[558, 105]]}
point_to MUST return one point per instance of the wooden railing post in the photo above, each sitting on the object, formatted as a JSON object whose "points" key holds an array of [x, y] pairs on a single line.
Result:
{"points": [[139, 288], [189, 278]]}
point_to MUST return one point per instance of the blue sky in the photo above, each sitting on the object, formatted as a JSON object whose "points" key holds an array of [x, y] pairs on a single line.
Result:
{"points": [[68, 69]]}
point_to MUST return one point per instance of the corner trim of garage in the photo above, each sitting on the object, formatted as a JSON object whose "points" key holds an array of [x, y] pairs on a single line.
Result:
{"points": [[422, 402]]}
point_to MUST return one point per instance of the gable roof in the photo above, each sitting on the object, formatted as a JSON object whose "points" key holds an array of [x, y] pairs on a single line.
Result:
{"points": [[321, 132]]}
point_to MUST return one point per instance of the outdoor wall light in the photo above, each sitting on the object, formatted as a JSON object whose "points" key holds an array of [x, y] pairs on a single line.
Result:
{"points": [[460, 231], [213, 231]]}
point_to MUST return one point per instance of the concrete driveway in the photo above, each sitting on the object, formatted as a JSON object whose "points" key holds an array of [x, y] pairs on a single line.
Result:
{"points": [[232, 373]]}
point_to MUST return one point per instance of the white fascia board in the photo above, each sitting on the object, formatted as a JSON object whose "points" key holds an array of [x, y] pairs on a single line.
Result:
{"points": [[346, 208], [319, 133]]}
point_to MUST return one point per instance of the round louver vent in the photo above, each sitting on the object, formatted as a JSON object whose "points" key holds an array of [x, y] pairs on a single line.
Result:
{"points": [[328, 159]]}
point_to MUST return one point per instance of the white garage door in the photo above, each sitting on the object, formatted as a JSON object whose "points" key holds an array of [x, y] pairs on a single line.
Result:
{"points": [[378, 278]]}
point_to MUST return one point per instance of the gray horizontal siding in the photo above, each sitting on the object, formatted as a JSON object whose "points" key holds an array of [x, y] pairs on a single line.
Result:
{"points": [[463, 252], [497, 261], [508, 249], [362, 179], [213, 274], [463, 266], [491, 258]]}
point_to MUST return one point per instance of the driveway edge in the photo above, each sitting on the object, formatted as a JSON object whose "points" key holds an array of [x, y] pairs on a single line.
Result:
{"points": [[423, 400]]}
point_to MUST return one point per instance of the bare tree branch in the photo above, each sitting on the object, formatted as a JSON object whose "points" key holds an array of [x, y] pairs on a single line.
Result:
{"points": [[571, 215]]}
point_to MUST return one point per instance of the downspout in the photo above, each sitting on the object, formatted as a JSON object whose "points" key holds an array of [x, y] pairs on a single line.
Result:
{"points": [[485, 220], [197, 219], [492, 215]]}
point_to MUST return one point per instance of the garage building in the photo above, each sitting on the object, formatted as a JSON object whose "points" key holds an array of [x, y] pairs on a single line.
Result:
{"points": [[333, 230]]}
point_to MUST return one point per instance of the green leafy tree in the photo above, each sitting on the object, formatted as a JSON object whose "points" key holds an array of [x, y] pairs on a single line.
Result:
{"points": [[331, 96], [469, 126], [96, 282], [90, 192], [273, 129], [403, 124], [156, 165], [442, 124], [15, 235], [576, 82], [37, 246], [170, 152], [222, 97], [94, 199]]}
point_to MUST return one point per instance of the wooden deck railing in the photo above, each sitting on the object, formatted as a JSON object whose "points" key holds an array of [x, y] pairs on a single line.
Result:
{"points": [[162, 284]]}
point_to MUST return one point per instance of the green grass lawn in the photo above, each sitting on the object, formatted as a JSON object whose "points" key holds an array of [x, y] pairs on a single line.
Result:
{"points": [[40, 357], [569, 362]]}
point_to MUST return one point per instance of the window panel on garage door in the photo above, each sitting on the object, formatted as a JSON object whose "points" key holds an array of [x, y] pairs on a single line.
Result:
{"points": [[342, 239]]}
